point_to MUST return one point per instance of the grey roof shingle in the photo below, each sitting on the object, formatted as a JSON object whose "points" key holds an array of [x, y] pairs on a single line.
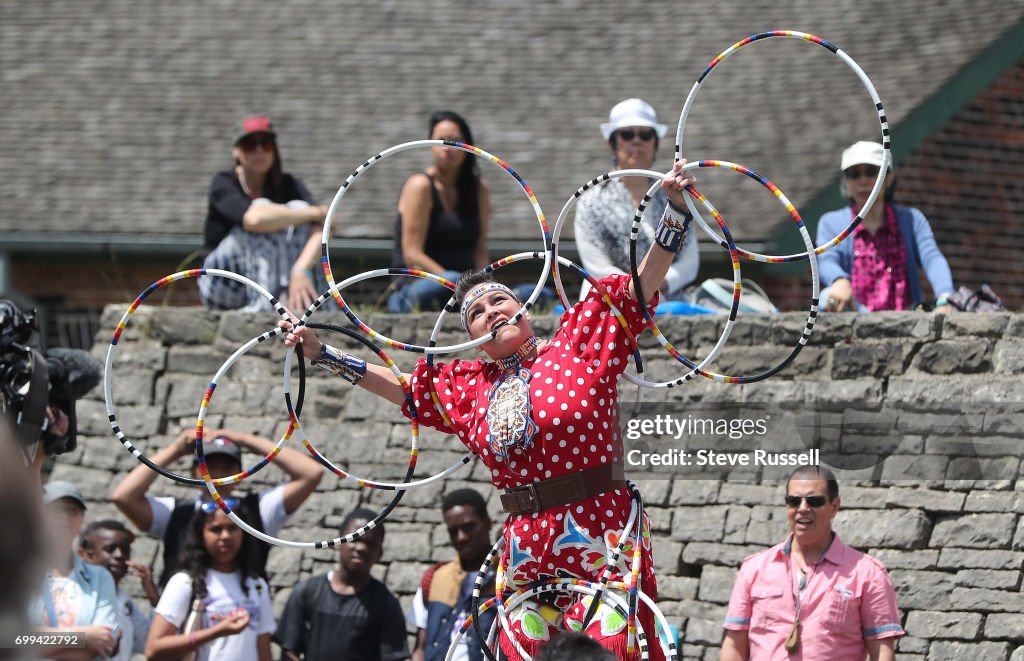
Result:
{"points": [[116, 112]]}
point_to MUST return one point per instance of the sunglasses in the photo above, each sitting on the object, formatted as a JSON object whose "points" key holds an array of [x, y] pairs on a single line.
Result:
{"points": [[812, 501], [643, 134], [209, 507], [865, 171], [254, 142]]}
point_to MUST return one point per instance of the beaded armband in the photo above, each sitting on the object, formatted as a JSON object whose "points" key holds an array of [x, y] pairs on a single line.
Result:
{"points": [[343, 364], [672, 228]]}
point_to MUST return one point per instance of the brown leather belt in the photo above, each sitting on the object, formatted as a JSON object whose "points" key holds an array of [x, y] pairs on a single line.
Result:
{"points": [[538, 496]]}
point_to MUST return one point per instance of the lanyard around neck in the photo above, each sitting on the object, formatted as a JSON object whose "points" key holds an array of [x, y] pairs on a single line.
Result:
{"points": [[813, 570]]}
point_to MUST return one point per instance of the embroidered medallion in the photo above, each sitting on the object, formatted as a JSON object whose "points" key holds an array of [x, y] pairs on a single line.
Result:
{"points": [[509, 412]]}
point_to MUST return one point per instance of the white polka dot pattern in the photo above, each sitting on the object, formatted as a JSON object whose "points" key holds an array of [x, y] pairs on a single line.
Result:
{"points": [[575, 405]]}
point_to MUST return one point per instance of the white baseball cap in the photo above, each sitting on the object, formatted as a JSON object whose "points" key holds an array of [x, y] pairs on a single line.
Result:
{"points": [[862, 153], [632, 112]]}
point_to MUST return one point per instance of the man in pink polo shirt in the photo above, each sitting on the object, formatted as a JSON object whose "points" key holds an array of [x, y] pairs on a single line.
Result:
{"points": [[811, 597]]}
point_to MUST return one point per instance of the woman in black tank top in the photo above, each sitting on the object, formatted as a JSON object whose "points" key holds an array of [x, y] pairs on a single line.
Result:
{"points": [[442, 219]]}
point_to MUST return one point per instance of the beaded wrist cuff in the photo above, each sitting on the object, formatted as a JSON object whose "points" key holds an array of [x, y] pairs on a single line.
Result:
{"points": [[340, 363], [672, 228]]}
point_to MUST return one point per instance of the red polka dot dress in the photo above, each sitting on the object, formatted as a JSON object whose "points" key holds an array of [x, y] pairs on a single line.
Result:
{"points": [[574, 397]]}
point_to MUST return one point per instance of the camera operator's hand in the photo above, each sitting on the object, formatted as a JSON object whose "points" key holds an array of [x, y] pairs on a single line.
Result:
{"points": [[59, 423]]}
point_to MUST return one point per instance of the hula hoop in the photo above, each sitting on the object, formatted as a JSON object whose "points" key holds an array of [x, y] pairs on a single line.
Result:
{"points": [[414, 449], [109, 366], [634, 232], [636, 505], [374, 160], [737, 280], [222, 504], [358, 323], [478, 583], [572, 585], [293, 413], [883, 121]]}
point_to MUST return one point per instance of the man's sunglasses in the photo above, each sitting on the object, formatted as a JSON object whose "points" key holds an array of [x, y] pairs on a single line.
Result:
{"points": [[209, 507], [254, 142], [812, 501], [865, 171], [643, 134]]}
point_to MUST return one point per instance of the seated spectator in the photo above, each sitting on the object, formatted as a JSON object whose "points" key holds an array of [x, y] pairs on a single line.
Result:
{"points": [[219, 581], [876, 268], [262, 223], [604, 214], [108, 543], [345, 614], [442, 220], [77, 597], [166, 518]]}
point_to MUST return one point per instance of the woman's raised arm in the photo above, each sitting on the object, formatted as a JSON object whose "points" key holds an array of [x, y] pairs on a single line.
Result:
{"points": [[668, 238]]}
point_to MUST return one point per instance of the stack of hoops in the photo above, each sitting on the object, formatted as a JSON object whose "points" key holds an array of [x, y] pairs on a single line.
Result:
{"points": [[622, 597]]}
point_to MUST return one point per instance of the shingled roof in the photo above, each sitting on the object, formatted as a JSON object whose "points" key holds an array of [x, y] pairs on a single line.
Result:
{"points": [[117, 112]]}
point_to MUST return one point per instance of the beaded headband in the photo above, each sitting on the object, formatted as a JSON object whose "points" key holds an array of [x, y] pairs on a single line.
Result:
{"points": [[476, 292]]}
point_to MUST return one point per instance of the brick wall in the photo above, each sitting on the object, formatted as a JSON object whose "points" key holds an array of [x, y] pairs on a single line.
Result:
{"points": [[82, 283], [923, 415], [966, 179]]}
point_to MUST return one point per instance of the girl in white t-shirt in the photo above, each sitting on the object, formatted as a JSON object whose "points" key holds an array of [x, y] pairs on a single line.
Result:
{"points": [[219, 567]]}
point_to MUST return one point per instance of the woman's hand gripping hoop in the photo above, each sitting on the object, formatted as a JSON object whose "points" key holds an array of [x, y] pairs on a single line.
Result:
{"points": [[737, 280]]}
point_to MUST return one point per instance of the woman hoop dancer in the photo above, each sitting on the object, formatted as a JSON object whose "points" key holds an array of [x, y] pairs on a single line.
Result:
{"points": [[542, 416]]}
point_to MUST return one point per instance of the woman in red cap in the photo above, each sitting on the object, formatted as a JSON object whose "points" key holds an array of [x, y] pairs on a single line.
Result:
{"points": [[262, 223]]}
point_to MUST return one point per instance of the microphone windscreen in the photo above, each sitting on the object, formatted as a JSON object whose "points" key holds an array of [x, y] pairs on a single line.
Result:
{"points": [[73, 372]]}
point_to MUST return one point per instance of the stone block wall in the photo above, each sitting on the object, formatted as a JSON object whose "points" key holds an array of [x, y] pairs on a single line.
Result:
{"points": [[922, 415]]}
